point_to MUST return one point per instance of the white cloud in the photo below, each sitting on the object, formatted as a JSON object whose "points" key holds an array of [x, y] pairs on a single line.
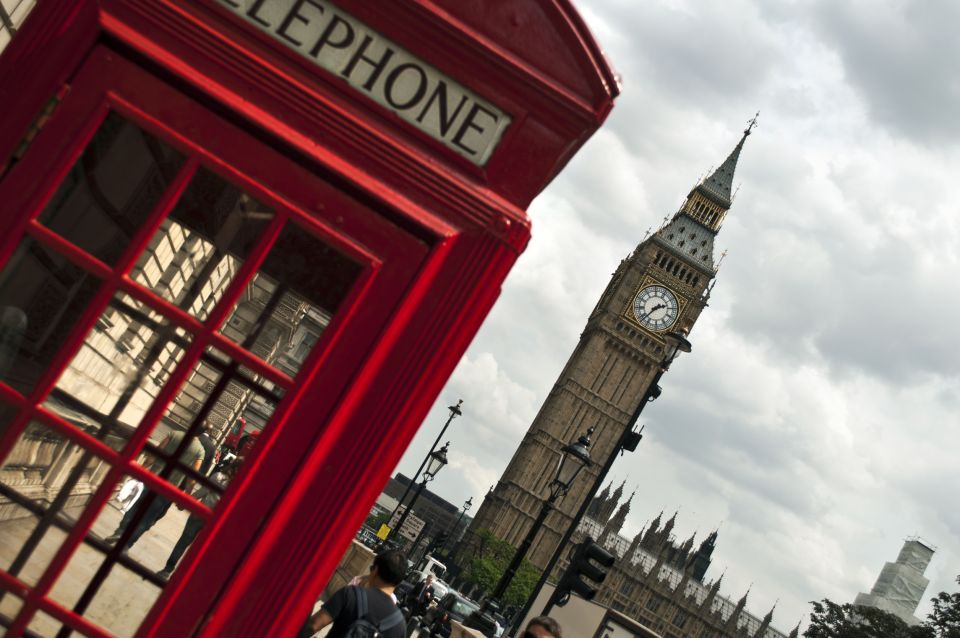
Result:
{"points": [[815, 420]]}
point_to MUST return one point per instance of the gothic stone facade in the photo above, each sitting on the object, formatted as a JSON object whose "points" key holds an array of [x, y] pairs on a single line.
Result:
{"points": [[661, 584]]}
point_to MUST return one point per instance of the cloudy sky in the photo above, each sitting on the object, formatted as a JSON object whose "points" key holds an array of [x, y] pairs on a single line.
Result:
{"points": [[815, 421]]}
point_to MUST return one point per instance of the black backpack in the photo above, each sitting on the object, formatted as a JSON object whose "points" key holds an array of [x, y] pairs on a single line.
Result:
{"points": [[364, 627]]}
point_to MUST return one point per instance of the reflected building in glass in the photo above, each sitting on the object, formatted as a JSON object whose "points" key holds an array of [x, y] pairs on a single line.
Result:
{"points": [[161, 261]]}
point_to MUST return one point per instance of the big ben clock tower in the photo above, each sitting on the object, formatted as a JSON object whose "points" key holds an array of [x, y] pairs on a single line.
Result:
{"points": [[662, 286]]}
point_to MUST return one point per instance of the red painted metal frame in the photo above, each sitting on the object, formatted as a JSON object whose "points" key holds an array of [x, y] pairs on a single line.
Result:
{"points": [[438, 234], [89, 98]]}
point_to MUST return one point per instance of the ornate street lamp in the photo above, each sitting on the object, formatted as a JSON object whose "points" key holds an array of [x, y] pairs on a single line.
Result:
{"points": [[434, 463], [573, 458], [673, 344], [454, 413], [451, 535]]}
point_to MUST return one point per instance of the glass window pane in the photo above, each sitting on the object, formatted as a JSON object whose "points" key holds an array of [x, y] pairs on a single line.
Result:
{"points": [[195, 254], [281, 322], [154, 532], [226, 407], [112, 188], [7, 414], [45, 482], [43, 624], [9, 607], [119, 599], [15, 13], [41, 296], [122, 365]]}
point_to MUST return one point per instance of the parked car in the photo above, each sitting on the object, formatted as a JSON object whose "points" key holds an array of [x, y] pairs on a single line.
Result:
{"points": [[501, 625], [440, 589], [453, 606], [367, 536]]}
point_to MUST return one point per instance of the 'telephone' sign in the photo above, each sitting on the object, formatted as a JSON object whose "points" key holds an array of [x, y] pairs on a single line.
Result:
{"points": [[377, 67]]}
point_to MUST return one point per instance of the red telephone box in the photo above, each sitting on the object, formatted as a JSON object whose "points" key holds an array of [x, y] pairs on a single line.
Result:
{"points": [[278, 219]]}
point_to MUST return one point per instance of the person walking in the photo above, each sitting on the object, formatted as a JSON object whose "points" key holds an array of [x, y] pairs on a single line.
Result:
{"points": [[209, 497], [192, 457], [210, 450], [364, 611], [422, 596]]}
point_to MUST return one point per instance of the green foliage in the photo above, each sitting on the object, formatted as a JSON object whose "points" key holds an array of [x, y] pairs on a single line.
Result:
{"points": [[522, 584], [487, 561], [375, 521], [484, 573], [944, 620], [830, 620]]}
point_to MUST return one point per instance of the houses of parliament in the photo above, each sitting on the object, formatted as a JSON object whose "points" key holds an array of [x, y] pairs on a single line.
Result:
{"points": [[662, 286]]}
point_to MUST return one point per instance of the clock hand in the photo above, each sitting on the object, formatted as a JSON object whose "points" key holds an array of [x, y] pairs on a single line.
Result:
{"points": [[654, 309]]}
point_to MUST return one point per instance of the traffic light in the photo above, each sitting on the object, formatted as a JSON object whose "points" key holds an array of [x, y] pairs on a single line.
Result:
{"points": [[590, 562], [631, 440]]}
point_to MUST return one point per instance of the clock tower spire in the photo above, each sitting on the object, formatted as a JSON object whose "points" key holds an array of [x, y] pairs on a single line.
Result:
{"points": [[710, 200], [662, 286]]}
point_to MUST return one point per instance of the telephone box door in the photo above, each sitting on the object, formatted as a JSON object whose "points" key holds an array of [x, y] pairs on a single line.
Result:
{"points": [[172, 283]]}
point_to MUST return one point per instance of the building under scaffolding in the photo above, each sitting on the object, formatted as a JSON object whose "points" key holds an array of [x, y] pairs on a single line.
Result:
{"points": [[900, 586]]}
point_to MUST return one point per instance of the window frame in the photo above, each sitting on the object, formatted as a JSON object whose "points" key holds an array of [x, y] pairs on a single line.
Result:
{"points": [[389, 259]]}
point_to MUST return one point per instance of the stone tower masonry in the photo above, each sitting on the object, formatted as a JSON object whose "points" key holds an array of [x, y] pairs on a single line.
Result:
{"points": [[662, 286]]}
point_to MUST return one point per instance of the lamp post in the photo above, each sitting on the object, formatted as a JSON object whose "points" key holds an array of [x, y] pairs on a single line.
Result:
{"points": [[453, 530], [573, 458], [434, 462], [454, 413], [674, 344]]}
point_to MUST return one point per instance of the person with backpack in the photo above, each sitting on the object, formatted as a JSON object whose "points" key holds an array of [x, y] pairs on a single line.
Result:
{"points": [[365, 612]]}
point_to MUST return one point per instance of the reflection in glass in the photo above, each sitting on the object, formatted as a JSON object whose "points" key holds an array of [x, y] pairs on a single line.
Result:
{"points": [[281, 322], [121, 366], [196, 252], [18, 526], [124, 597], [9, 606], [47, 479], [41, 297], [43, 624], [215, 419], [7, 415], [220, 393], [111, 190]]}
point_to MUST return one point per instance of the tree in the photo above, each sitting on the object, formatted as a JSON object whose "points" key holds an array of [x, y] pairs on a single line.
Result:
{"points": [[944, 620], [522, 585], [830, 620], [374, 521], [487, 562]]}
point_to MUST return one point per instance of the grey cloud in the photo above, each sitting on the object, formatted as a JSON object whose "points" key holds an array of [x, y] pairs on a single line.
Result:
{"points": [[904, 58], [721, 49], [765, 462], [823, 383]]}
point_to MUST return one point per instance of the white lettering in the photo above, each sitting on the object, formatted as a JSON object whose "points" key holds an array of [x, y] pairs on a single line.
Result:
{"points": [[394, 78]]}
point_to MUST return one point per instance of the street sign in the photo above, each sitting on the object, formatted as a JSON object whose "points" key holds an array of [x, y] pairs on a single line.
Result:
{"points": [[383, 532], [411, 527]]}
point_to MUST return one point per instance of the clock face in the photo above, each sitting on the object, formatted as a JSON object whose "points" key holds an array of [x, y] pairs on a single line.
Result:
{"points": [[655, 308]]}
